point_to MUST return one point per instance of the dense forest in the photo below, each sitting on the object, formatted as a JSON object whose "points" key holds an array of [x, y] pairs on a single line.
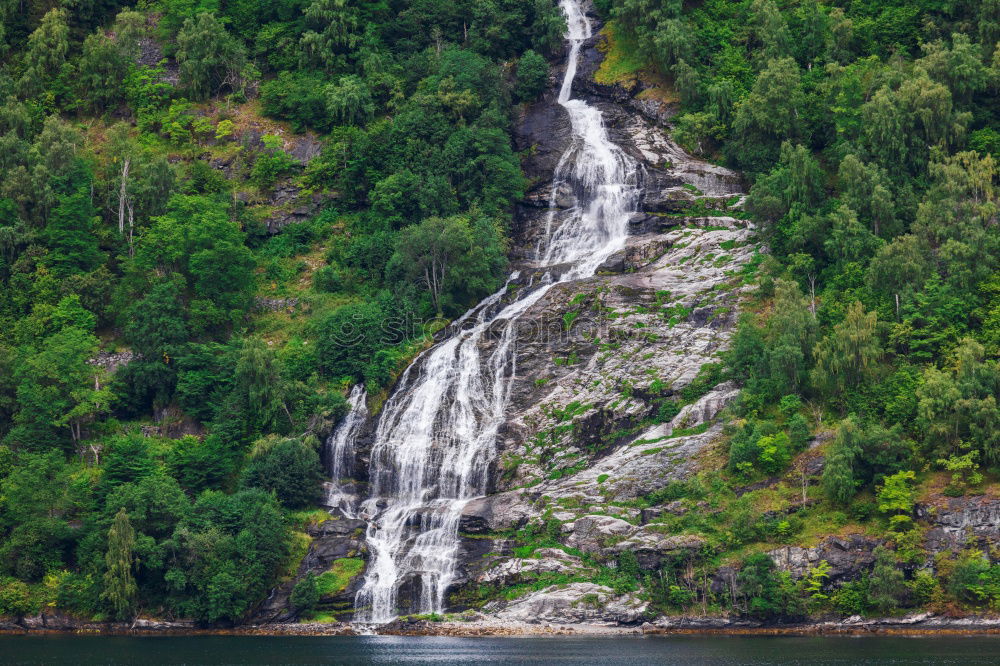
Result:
{"points": [[148, 151], [201, 199], [869, 133]]}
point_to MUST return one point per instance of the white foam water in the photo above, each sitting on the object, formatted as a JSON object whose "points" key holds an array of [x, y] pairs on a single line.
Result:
{"points": [[340, 451]]}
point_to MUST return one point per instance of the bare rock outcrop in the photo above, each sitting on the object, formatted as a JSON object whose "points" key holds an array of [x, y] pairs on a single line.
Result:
{"points": [[584, 603]]}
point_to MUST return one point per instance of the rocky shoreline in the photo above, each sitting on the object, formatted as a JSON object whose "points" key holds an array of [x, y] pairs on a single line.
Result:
{"points": [[914, 624]]}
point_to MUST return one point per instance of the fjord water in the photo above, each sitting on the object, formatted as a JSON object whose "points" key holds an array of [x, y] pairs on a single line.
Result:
{"points": [[436, 436], [413, 651]]}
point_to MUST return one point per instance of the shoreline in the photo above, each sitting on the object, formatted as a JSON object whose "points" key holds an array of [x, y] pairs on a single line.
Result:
{"points": [[923, 624]]}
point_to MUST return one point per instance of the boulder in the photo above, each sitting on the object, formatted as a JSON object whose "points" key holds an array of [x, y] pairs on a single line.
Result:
{"points": [[516, 570], [584, 603], [650, 548], [592, 534]]}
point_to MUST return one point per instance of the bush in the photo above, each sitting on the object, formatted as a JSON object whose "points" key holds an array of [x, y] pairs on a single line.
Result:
{"points": [[305, 594], [200, 464], [349, 339], [126, 459], [966, 578], [532, 76], [850, 599], [298, 98], [15, 598], [291, 469], [78, 593], [775, 452], [269, 167], [769, 593], [886, 586], [34, 548], [328, 280]]}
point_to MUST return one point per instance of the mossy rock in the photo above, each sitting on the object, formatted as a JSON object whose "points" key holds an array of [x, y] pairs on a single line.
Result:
{"points": [[335, 580]]}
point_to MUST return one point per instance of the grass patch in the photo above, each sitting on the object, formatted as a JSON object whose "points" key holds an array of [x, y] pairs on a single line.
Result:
{"points": [[298, 547], [307, 517], [339, 576], [622, 62], [687, 432], [320, 617]]}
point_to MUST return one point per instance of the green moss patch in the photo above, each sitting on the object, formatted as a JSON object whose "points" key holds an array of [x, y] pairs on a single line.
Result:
{"points": [[339, 576]]}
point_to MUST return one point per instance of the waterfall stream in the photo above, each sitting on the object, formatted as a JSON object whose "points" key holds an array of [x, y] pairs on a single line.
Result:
{"points": [[436, 436], [340, 450]]}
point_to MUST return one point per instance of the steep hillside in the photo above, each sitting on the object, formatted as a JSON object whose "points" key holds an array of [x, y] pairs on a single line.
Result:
{"points": [[636, 313]]}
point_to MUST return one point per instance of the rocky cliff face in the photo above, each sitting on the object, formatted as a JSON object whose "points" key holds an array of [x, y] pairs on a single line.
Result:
{"points": [[599, 414]]}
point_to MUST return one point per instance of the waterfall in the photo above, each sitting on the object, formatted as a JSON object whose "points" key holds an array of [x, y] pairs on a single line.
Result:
{"points": [[437, 433], [340, 450]]}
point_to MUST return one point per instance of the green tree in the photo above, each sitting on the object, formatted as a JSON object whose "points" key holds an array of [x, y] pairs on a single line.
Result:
{"points": [[333, 34], [896, 497], [770, 29], [886, 584], [53, 378], [120, 589], [849, 354], [208, 57], [349, 101], [797, 182], [259, 384], [849, 240], [102, 70], [71, 235], [305, 594], [957, 407], [768, 593], [901, 125], [288, 467], [959, 67], [36, 494], [899, 269], [349, 338], [867, 190], [155, 326], [47, 49], [201, 463], [196, 239], [127, 459], [838, 480], [532, 76], [442, 254], [769, 115], [229, 549]]}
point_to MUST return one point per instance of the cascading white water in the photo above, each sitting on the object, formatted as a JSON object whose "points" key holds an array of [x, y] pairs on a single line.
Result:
{"points": [[437, 433], [340, 450]]}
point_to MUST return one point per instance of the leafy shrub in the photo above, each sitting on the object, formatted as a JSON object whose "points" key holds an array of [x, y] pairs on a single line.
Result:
{"points": [[297, 97], [532, 76], [305, 594], [350, 337], [269, 167], [200, 464], [768, 593], [15, 598], [966, 580], [289, 468], [328, 279]]}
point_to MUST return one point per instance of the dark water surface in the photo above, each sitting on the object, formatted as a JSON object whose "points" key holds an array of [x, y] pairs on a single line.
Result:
{"points": [[437, 651]]}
